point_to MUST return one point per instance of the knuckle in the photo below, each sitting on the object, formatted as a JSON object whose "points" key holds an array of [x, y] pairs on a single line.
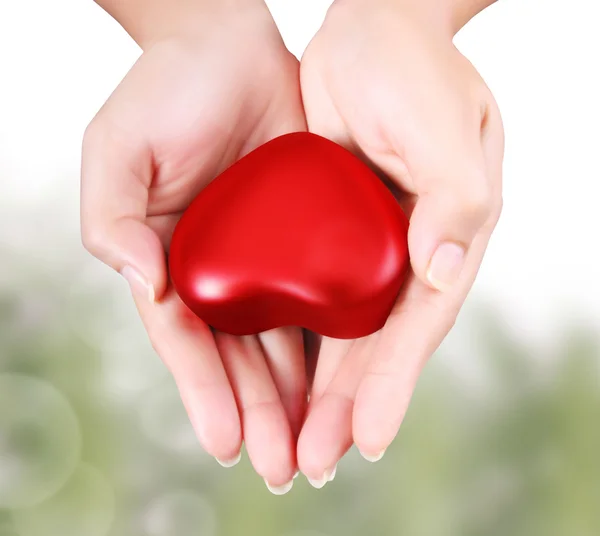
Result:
{"points": [[477, 201], [93, 239], [444, 313], [91, 132], [451, 319], [497, 210], [494, 217], [447, 313], [102, 132], [94, 133]]}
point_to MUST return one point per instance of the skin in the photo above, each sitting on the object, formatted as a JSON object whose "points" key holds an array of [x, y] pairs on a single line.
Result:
{"points": [[381, 78], [179, 118], [384, 80]]}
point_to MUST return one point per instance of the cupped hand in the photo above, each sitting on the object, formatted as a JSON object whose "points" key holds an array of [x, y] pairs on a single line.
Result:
{"points": [[191, 106], [386, 81]]}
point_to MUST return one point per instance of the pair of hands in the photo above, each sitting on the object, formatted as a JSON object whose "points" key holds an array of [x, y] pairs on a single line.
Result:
{"points": [[382, 79]]}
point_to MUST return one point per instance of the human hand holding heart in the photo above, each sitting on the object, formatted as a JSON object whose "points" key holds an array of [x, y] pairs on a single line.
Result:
{"points": [[385, 80], [188, 109], [181, 118]]}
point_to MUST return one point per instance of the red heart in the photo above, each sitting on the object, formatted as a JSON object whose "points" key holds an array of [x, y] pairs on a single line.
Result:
{"points": [[298, 232]]}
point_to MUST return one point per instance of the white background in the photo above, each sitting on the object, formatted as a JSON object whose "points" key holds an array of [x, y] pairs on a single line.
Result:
{"points": [[59, 61]]}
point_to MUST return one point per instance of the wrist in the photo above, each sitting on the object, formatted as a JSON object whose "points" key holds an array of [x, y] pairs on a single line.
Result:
{"points": [[150, 21], [442, 16]]}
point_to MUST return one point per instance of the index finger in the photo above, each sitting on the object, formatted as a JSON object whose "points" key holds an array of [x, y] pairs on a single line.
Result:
{"points": [[415, 329]]}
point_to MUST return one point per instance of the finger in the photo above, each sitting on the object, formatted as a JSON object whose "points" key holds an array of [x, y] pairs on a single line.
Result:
{"points": [[436, 153], [459, 194], [443, 225], [187, 347], [421, 320], [164, 226], [283, 349], [327, 432], [116, 173], [331, 356], [267, 433], [413, 332]]}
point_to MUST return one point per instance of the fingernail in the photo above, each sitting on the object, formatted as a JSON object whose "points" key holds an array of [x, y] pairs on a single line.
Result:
{"points": [[138, 282], [373, 458], [280, 490], [228, 464], [296, 475], [445, 265], [320, 483], [333, 473]]}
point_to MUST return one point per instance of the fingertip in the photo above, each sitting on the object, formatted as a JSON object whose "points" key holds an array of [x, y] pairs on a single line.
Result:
{"points": [[141, 247], [270, 444], [445, 266], [280, 490], [373, 442], [372, 455], [138, 283], [230, 461], [379, 412], [220, 435], [134, 250], [439, 243], [324, 439]]}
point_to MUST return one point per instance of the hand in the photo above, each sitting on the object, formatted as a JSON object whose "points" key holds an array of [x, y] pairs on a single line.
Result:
{"points": [[194, 103], [384, 79]]}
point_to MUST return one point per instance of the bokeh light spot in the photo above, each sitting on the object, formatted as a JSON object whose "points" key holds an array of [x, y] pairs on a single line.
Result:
{"points": [[40, 441], [85, 506], [113, 308], [181, 513], [130, 365], [166, 423]]}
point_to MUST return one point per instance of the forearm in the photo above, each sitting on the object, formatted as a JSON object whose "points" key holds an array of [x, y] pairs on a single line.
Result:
{"points": [[148, 21]]}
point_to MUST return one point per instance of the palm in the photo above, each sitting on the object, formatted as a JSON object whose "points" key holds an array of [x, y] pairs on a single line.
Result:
{"points": [[197, 125]]}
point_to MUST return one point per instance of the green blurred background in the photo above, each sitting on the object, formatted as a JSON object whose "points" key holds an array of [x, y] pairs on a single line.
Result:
{"points": [[94, 440], [503, 435]]}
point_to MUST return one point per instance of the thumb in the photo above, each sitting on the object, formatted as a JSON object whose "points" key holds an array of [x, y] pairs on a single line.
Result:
{"points": [[443, 225], [115, 178]]}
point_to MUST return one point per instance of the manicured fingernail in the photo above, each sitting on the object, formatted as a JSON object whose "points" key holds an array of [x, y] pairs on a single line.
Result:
{"points": [[138, 282], [320, 483], [296, 475], [373, 457], [333, 473], [445, 265], [230, 463], [280, 490]]}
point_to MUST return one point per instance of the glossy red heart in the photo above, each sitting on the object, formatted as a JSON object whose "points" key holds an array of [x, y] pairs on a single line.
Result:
{"points": [[298, 232]]}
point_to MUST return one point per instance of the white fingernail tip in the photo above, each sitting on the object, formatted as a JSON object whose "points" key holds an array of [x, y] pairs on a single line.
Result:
{"points": [[333, 473], [373, 457], [327, 477], [230, 463], [280, 490]]}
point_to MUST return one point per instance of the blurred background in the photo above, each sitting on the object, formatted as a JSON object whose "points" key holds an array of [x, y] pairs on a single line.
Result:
{"points": [[503, 435]]}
